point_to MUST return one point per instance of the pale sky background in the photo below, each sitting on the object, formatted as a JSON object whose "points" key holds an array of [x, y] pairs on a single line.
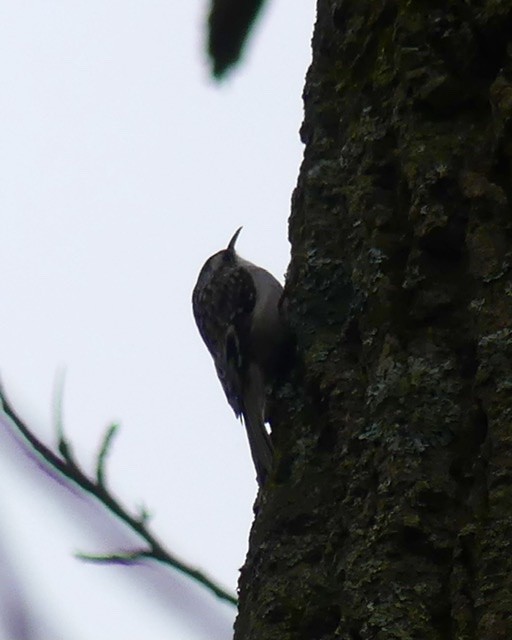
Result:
{"points": [[122, 168]]}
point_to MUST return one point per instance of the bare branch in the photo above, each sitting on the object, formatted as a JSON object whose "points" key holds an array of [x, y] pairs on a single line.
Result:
{"points": [[66, 465]]}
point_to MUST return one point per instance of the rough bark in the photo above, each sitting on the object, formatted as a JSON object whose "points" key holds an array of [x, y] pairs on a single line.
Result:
{"points": [[389, 514]]}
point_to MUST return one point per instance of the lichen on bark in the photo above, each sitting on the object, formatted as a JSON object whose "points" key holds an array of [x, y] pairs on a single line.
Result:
{"points": [[389, 514]]}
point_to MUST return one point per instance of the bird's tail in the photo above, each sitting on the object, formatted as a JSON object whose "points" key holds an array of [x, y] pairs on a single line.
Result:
{"points": [[262, 450]]}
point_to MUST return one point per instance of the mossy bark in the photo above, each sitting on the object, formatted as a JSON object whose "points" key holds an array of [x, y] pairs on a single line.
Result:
{"points": [[389, 514]]}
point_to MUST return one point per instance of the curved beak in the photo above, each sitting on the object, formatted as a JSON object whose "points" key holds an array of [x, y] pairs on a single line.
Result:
{"points": [[232, 242]]}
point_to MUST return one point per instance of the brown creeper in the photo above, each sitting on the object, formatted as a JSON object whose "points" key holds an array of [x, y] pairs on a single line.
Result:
{"points": [[237, 310]]}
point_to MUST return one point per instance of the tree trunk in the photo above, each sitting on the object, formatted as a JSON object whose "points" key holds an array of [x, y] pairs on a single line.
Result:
{"points": [[389, 512]]}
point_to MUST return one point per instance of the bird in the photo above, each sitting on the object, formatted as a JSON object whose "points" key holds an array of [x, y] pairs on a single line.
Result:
{"points": [[237, 309]]}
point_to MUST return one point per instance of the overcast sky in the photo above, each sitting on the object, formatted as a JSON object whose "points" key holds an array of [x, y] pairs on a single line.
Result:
{"points": [[122, 168]]}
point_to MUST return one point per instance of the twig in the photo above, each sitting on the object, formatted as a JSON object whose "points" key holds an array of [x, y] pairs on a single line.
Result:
{"points": [[67, 466], [103, 454], [128, 558]]}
